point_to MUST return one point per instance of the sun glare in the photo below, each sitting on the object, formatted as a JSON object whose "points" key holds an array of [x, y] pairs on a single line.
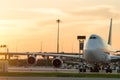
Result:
{"points": [[22, 21]]}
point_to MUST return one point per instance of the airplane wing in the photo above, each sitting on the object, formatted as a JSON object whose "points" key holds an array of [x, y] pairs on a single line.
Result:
{"points": [[45, 54], [57, 61], [63, 55], [115, 58]]}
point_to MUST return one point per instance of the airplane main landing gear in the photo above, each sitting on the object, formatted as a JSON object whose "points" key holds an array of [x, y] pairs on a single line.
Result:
{"points": [[95, 68], [108, 69], [82, 68]]}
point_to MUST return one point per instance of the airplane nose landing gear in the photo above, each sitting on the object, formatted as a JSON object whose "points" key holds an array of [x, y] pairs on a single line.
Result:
{"points": [[95, 68]]}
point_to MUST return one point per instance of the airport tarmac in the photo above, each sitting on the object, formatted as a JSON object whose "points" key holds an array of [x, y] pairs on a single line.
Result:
{"points": [[49, 69], [39, 69], [54, 78]]}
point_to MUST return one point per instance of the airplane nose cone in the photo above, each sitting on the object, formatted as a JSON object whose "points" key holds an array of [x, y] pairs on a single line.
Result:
{"points": [[91, 56], [94, 56]]}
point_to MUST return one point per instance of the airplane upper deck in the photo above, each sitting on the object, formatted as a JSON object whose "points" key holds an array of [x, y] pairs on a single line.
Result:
{"points": [[95, 41]]}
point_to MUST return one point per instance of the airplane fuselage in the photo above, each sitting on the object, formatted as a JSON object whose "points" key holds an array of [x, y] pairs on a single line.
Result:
{"points": [[97, 51]]}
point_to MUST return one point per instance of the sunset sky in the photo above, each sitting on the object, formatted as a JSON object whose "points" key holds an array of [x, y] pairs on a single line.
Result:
{"points": [[25, 24]]}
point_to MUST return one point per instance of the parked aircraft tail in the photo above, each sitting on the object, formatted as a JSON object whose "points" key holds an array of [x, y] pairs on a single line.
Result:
{"points": [[110, 33]]}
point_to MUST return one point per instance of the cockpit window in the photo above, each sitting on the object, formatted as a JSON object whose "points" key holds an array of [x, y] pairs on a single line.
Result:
{"points": [[92, 37]]}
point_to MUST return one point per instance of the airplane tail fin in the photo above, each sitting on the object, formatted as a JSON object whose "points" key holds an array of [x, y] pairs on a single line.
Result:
{"points": [[110, 33]]}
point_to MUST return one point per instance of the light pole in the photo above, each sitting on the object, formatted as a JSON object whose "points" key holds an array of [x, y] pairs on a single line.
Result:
{"points": [[41, 46], [58, 21]]}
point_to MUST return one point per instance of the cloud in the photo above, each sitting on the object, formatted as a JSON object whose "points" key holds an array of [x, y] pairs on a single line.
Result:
{"points": [[34, 14], [45, 10], [44, 19], [96, 11]]}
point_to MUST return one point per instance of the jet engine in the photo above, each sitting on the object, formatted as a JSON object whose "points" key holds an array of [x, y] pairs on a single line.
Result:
{"points": [[57, 62], [31, 59]]}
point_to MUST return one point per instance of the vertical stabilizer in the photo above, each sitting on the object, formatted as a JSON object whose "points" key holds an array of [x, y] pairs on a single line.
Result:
{"points": [[110, 33]]}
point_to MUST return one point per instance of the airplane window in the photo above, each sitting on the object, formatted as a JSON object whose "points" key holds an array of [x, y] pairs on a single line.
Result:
{"points": [[92, 37]]}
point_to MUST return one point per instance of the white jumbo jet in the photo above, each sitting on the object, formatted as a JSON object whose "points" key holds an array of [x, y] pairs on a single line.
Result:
{"points": [[96, 53]]}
